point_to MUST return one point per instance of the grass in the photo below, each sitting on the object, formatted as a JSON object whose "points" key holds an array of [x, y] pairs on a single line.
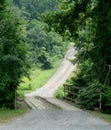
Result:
{"points": [[38, 78], [8, 115], [59, 92], [106, 117]]}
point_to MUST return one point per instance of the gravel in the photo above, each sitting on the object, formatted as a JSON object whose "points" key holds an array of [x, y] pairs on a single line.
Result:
{"points": [[57, 120]]}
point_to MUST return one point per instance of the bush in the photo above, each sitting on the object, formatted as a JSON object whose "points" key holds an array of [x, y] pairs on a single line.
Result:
{"points": [[107, 101], [89, 96], [59, 93]]}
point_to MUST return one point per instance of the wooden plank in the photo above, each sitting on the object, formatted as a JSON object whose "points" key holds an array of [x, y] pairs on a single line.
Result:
{"points": [[68, 98], [73, 90]]}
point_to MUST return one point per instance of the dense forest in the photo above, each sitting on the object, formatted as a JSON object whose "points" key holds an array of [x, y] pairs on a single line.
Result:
{"points": [[43, 45], [89, 25], [25, 43]]}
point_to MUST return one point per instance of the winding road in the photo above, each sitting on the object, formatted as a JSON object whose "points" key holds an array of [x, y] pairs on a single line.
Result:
{"points": [[49, 113]]}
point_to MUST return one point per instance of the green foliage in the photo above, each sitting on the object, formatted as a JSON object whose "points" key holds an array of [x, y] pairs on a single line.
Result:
{"points": [[89, 24], [59, 92], [44, 45], [65, 18], [15, 30], [35, 7], [83, 75], [107, 101], [89, 96], [12, 57], [45, 60]]}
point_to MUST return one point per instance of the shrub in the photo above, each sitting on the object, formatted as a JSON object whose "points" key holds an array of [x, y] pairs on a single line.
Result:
{"points": [[89, 96]]}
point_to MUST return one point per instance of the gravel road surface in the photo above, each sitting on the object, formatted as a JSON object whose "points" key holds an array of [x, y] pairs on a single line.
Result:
{"points": [[57, 120]]}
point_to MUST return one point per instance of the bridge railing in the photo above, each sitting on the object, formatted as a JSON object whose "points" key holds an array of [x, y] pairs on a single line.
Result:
{"points": [[71, 92]]}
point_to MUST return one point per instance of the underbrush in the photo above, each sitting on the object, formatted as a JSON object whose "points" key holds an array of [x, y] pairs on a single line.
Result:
{"points": [[59, 92]]}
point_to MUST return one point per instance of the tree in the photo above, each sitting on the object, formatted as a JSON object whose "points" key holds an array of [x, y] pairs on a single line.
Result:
{"points": [[35, 7], [12, 56], [44, 44], [37, 37], [89, 25]]}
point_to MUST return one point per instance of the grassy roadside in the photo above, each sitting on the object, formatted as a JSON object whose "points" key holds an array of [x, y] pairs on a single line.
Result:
{"points": [[106, 117], [8, 115], [38, 78], [59, 92]]}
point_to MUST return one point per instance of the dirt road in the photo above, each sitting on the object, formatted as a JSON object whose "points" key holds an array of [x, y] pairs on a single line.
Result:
{"points": [[59, 78]]}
